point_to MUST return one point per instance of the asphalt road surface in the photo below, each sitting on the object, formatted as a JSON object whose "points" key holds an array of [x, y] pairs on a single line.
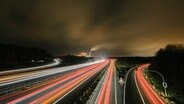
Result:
{"points": [[137, 90]]}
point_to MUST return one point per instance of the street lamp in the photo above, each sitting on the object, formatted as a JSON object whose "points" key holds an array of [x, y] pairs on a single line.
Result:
{"points": [[164, 84]]}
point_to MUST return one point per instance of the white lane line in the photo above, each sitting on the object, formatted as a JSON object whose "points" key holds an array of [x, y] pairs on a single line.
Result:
{"points": [[150, 87], [126, 76], [115, 85], [138, 89], [102, 83], [97, 89]]}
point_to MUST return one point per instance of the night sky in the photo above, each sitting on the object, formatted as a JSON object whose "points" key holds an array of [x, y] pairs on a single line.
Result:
{"points": [[116, 27]]}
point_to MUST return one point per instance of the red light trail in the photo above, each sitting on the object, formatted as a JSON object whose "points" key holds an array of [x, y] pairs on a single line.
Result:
{"points": [[104, 96], [145, 87], [65, 83]]}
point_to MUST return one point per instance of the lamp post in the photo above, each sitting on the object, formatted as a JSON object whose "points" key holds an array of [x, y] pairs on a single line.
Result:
{"points": [[164, 84]]}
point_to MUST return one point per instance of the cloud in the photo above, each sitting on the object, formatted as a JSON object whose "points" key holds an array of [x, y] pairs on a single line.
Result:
{"points": [[120, 27]]}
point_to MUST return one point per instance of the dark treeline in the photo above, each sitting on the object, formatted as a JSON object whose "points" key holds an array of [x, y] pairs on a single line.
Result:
{"points": [[71, 59], [125, 63], [12, 56], [134, 60], [170, 62]]}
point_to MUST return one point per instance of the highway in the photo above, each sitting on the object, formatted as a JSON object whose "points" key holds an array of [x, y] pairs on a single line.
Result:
{"points": [[108, 91], [53, 90], [149, 94], [20, 77], [61, 84], [137, 90]]}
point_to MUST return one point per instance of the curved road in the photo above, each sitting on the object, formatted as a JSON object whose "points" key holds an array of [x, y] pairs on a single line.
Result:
{"points": [[137, 90]]}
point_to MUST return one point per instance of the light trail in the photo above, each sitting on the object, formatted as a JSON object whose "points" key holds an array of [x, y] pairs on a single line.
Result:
{"points": [[104, 95], [65, 84], [56, 62], [145, 87], [69, 86], [75, 72], [115, 85], [139, 89], [20, 77]]}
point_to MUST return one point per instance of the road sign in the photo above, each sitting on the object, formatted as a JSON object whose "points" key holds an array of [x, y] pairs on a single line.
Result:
{"points": [[164, 84]]}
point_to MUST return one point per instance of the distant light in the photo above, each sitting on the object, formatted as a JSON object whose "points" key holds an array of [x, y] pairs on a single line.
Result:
{"points": [[33, 61], [82, 54]]}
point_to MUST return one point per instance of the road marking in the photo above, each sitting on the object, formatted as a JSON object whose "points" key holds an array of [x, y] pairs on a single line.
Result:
{"points": [[106, 88], [115, 85], [146, 83], [138, 89], [98, 87], [126, 76], [102, 83]]}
